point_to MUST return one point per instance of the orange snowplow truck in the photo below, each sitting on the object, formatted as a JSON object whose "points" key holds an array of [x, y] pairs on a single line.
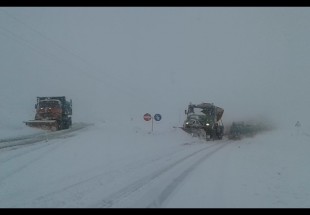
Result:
{"points": [[52, 113]]}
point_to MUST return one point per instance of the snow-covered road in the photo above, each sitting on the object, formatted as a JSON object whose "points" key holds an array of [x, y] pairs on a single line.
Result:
{"points": [[96, 167], [76, 171], [40, 135]]}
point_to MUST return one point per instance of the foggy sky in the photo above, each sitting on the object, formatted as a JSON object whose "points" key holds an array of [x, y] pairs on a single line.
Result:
{"points": [[117, 63]]}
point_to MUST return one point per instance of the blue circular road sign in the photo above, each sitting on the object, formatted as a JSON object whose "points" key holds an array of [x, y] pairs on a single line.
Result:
{"points": [[157, 117]]}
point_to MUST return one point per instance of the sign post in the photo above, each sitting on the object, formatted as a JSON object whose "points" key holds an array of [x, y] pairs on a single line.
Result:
{"points": [[157, 117], [148, 117]]}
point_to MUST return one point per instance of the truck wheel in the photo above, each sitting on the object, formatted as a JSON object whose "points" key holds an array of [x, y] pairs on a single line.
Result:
{"points": [[66, 124], [213, 135]]}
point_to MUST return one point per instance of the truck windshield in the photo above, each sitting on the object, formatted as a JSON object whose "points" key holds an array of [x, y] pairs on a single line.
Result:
{"points": [[49, 104]]}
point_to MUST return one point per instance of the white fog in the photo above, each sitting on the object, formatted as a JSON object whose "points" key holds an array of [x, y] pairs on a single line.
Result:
{"points": [[118, 63]]}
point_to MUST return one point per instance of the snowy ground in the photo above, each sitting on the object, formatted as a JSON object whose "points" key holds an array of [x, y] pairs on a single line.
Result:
{"points": [[100, 166]]}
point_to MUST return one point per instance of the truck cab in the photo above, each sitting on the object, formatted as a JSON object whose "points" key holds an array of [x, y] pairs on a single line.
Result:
{"points": [[205, 116]]}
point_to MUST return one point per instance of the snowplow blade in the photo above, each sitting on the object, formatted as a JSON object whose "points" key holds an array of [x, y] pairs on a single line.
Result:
{"points": [[51, 125]]}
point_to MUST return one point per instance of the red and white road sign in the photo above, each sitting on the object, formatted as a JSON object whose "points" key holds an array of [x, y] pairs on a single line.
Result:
{"points": [[147, 117]]}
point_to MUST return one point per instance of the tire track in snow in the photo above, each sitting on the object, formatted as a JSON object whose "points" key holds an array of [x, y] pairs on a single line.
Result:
{"points": [[74, 195], [49, 147], [123, 194], [163, 196], [92, 183], [28, 149], [32, 140], [28, 139]]}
